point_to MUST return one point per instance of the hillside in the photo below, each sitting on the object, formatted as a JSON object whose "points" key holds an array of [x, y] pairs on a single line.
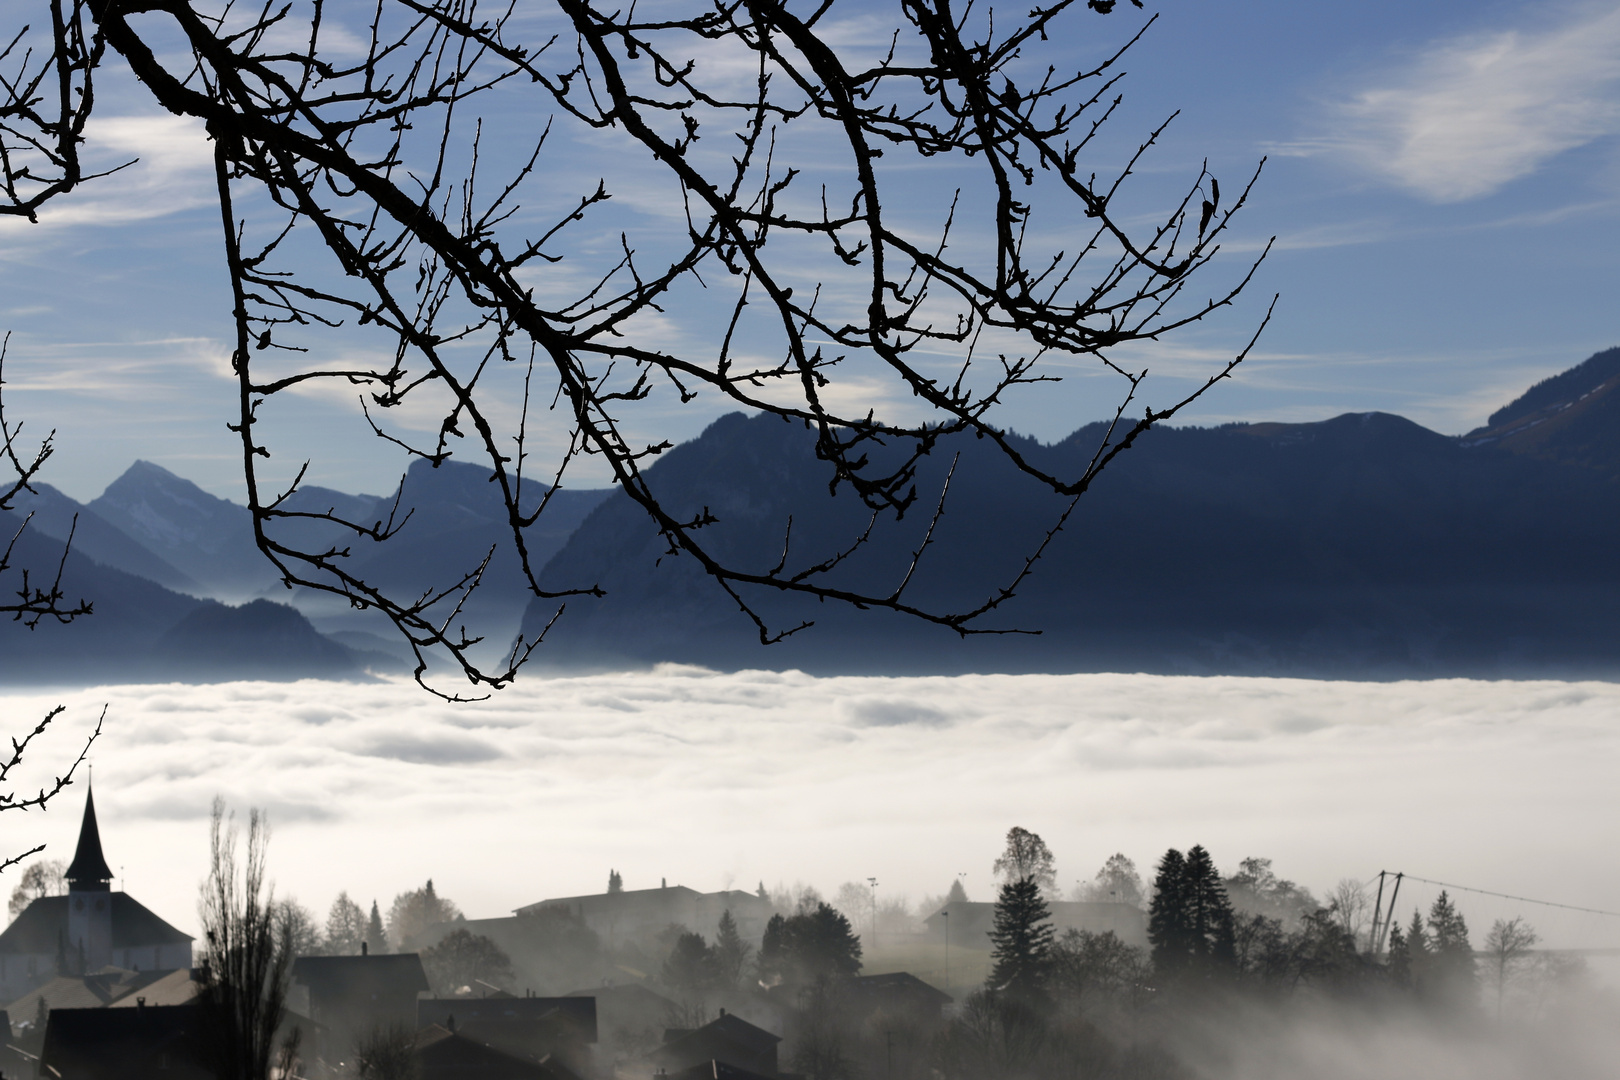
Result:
{"points": [[1363, 546]]}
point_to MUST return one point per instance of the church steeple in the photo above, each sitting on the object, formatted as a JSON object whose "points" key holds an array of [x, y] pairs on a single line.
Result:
{"points": [[89, 871]]}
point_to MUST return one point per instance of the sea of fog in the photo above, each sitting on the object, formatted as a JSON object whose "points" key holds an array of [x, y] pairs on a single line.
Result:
{"points": [[726, 780]]}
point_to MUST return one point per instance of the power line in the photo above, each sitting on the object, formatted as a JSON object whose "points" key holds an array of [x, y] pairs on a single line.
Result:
{"points": [[1520, 899]]}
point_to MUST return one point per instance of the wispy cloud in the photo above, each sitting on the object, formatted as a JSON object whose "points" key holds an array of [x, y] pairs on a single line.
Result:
{"points": [[1471, 114], [164, 166]]}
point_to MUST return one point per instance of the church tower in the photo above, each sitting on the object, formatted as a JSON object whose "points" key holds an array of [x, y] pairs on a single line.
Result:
{"points": [[89, 930]]}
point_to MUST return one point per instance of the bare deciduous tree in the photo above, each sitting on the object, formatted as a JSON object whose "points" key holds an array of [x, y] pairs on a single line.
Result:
{"points": [[388, 180], [1507, 943], [247, 958]]}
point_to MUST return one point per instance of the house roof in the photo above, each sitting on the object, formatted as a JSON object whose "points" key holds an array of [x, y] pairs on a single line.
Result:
{"points": [[396, 974], [716, 1070], [626, 897], [715, 1039], [125, 1043], [42, 926], [900, 983], [89, 866], [84, 991], [441, 1050], [486, 1017], [175, 988]]}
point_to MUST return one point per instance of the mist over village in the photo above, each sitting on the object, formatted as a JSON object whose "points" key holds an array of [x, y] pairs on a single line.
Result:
{"points": [[770, 540]]}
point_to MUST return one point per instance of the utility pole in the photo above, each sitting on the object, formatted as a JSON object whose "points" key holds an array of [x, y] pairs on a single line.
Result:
{"points": [[1378, 908], [872, 881]]}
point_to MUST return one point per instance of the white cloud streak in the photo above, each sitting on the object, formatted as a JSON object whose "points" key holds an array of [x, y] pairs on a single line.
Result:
{"points": [[1473, 114], [695, 776]]}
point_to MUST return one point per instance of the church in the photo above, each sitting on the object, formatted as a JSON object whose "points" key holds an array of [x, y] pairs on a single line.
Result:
{"points": [[90, 928]]}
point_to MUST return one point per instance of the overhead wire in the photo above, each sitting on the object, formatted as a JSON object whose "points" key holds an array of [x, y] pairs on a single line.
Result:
{"points": [[1507, 896]]}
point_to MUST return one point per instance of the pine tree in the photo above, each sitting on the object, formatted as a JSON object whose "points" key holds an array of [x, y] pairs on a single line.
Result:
{"points": [[690, 968], [957, 894], [376, 939], [1453, 962], [813, 945], [1190, 923], [1209, 913], [1400, 958], [615, 882], [1168, 932], [1021, 940], [730, 951]]}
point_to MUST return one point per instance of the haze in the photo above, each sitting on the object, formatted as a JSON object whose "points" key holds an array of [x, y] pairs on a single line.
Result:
{"points": [[715, 780]]}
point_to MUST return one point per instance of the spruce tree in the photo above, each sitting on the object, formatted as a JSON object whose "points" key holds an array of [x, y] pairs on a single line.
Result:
{"points": [[1021, 940], [1209, 913], [1190, 923], [1400, 958], [615, 882], [1453, 962], [1168, 932], [376, 939], [730, 952]]}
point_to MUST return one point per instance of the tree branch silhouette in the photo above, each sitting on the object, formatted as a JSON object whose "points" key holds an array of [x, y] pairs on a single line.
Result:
{"points": [[408, 219]]}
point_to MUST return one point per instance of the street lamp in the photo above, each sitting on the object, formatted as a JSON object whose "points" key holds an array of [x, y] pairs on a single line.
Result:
{"points": [[872, 881]]}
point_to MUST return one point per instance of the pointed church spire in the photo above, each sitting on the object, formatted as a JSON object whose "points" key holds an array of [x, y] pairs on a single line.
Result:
{"points": [[89, 871]]}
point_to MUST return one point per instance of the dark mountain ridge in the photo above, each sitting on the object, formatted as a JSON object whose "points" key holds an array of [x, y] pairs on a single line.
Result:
{"points": [[139, 631], [1363, 546]]}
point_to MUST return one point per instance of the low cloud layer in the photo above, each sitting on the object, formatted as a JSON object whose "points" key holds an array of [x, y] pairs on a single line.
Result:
{"points": [[707, 779], [1470, 115]]}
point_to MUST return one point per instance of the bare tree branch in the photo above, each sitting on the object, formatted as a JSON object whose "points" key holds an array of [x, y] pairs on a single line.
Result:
{"points": [[355, 206]]}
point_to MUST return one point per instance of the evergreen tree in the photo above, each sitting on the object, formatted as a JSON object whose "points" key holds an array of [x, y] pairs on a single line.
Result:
{"points": [[1209, 913], [1021, 941], [690, 968], [730, 951], [957, 894], [1190, 923], [1168, 932], [1400, 958], [761, 893], [615, 882], [376, 939], [815, 944], [1453, 957]]}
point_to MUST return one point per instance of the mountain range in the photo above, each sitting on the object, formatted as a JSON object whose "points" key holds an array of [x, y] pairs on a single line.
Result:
{"points": [[1364, 546]]}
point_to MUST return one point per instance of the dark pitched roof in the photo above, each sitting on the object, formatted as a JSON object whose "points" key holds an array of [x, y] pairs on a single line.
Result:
{"points": [[43, 924], [625, 897], [442, 1052], [716, 1070], [123, 1044], [899, 984], [346, 976], [89, 866], [491, 1017], [91, 991], [729, 1039]]}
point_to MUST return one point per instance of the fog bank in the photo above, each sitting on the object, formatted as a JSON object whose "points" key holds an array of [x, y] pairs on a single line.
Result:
{"points": [[715, 780]]}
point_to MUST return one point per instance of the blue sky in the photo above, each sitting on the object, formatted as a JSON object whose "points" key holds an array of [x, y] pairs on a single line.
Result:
{"points": [[1444, 183]]}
